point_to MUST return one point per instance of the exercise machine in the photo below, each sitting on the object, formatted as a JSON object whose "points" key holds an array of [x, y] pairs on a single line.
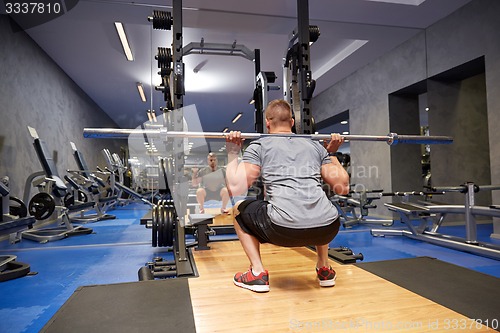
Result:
{"points": [[47, 205], [115, 168], [354, 207], [431, 216], [97, 189], [13, 220]]}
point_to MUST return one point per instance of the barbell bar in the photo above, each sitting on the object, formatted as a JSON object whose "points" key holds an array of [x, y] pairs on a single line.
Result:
{"points": [[390, 139]]}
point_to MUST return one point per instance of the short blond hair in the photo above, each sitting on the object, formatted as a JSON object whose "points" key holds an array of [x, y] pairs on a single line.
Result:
{"points": [[278, 112]]}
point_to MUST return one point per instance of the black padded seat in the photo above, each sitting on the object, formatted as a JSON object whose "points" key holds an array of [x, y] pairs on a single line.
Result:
{"points": [[108, 199], [82, 206], [9, 227], [49, 167], [82, 165]]}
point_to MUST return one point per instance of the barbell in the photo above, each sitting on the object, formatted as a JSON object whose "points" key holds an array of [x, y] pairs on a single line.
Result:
{"points": [[390, 139]]}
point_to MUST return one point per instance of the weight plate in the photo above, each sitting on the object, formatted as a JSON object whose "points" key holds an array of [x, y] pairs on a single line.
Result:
{"points": [[160, 223], [19, 210], [69, 199], [154, 228], [166, 235], [170, 225], [41, 206], [82, 196]]}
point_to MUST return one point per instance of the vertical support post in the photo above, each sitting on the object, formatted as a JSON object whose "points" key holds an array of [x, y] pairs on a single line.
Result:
{"points": [[470, 221], [178, 125], [177, 55], [261, 102], [4, 205], [256, 60], [304, 68], [258, 102], [295, 99]]}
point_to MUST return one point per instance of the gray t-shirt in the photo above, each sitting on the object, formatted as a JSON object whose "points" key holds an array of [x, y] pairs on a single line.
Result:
{"points": [[291, 173], [212, 180]]}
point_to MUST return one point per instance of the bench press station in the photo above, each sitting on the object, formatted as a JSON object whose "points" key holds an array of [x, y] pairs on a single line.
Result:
{"points": [[431, 217]]}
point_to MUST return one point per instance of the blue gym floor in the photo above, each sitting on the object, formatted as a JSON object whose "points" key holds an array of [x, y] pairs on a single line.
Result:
{"points": [[118, 248]]}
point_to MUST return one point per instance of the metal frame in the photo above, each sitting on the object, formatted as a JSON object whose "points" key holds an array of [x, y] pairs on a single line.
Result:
{"points": [[409, 212], [358, 200], [218, 49], [297, 74]]}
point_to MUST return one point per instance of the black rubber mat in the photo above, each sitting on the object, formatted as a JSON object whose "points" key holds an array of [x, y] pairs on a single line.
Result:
{"points": [[147, 306], [473, 294]]}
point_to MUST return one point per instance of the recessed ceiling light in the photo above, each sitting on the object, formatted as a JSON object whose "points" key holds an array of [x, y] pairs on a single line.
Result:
{"points": [[344, 122]]}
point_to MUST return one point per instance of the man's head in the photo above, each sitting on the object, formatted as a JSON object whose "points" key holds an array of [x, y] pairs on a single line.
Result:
{"points": [[279, 115], [212, 160]]}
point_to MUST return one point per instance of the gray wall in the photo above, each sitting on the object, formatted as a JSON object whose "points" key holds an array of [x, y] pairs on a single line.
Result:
{"points": [[469, 33], [405, 159], [458, 109], [35, 92], [366, 95]]}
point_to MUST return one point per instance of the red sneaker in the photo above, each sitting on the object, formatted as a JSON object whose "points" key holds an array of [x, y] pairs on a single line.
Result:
{"points": [[326, 276], [247, 280]]}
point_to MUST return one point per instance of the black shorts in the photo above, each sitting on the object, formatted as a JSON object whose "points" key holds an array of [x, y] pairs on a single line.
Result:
{"points": [[253, 219], [212, 195]]}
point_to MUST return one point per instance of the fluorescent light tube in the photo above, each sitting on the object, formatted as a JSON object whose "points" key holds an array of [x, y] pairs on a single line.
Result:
{"points": [[123, 39], [140, 88], [238, 116]]}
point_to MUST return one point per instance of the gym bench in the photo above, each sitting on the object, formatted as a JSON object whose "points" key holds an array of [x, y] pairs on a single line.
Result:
{"points": [[432, 216]]}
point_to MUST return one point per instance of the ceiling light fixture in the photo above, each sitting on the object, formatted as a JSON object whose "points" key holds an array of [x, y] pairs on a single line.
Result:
{"points": [[140, 88], [238, 116], [225, 129], [344, 122], [124, 41], [151, 116]]}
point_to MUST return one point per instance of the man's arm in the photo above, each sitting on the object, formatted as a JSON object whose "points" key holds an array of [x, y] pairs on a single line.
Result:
{"points": [[239, 176], [334, 173], [195, 179]]}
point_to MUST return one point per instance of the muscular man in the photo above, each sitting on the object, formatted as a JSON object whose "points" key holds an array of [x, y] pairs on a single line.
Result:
{"points": [[211, 182], [297, 211]]}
